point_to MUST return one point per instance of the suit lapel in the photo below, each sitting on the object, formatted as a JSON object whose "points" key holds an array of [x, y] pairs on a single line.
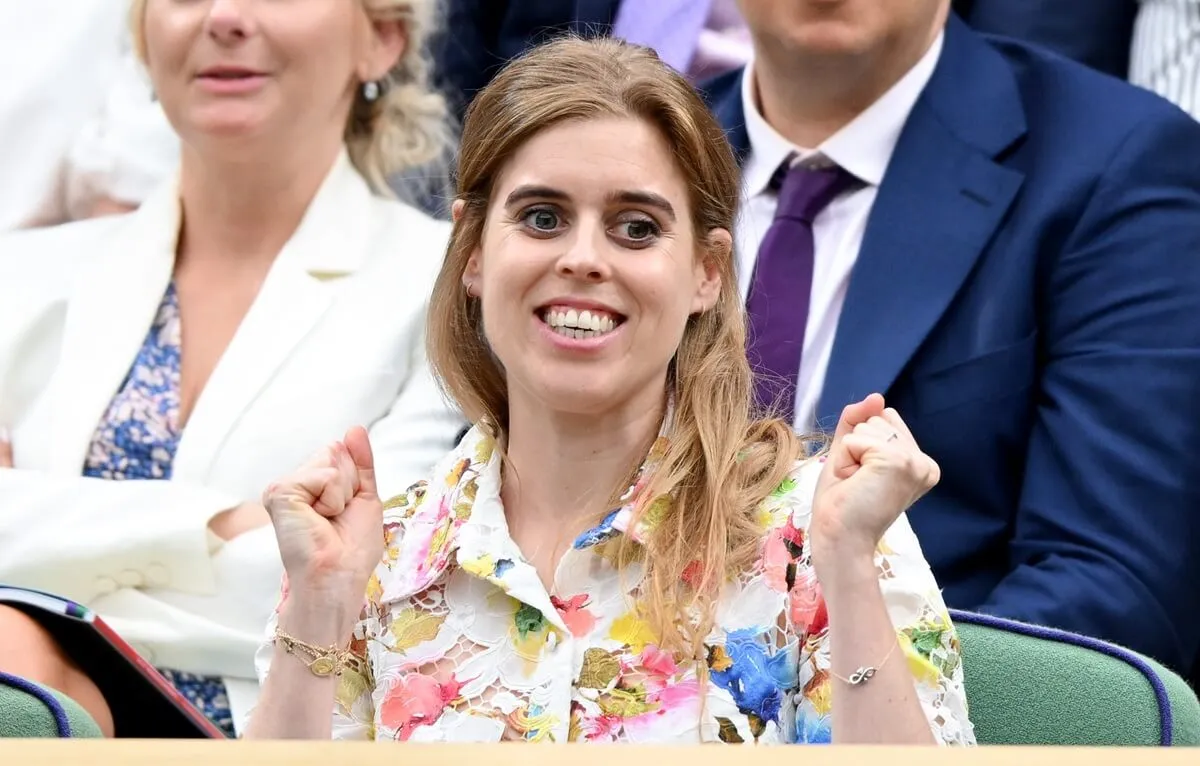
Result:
{"points": [[329, 244], [113, 302], [940, 202]]}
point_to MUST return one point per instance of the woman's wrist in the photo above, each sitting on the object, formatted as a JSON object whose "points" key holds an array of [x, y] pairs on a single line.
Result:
{"points": [[317, 619], [844, 563]]}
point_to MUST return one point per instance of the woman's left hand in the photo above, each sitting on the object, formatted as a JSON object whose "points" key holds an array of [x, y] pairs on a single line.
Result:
{"points": [[874, 472]]}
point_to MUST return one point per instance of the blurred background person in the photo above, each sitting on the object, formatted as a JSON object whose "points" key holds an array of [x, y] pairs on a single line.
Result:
{"points": [[158, 368]]}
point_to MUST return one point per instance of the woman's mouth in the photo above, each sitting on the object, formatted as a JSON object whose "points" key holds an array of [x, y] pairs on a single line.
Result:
{"points": [[580, 324]]}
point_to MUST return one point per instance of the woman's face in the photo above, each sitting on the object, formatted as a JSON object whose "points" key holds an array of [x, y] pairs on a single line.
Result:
{"points": [[588, 267], [269, 69]]}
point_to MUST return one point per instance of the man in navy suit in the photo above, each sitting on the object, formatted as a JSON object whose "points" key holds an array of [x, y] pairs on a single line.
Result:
{"points": [[1013, 259]]}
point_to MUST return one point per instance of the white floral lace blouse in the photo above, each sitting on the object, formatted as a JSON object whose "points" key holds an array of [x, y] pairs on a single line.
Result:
{"points": [[460, 641]]}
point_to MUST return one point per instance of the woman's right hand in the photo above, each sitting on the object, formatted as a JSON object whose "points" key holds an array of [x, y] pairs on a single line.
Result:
{"points": [[328, 521]]}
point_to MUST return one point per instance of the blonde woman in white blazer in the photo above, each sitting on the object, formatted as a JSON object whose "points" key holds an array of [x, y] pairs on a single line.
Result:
{"points": [[249, 312]]}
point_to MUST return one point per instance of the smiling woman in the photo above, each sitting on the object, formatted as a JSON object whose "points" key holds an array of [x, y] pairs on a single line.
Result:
{"points": [[620, 549]]}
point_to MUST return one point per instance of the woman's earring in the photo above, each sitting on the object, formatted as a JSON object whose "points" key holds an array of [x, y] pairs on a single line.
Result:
{"points": [[370, 90], [471, 291]]}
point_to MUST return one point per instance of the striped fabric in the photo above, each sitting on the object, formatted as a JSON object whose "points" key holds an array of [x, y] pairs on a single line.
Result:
{"points": [[1165, 56]]}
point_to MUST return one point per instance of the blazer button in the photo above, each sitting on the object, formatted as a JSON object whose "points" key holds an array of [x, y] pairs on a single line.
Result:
{"points": [[105, 586], [131, 579], [157, 575]]}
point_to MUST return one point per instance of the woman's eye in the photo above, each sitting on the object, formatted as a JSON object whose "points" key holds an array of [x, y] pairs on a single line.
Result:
{"points": [[542, 220], [638, 230]]}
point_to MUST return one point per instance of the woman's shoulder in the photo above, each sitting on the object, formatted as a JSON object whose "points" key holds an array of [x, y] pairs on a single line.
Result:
{"points": [[426, 517]]}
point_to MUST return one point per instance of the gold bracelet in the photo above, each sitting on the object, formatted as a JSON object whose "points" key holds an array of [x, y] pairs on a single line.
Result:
{"points": [[321, 660], [865, 673]]}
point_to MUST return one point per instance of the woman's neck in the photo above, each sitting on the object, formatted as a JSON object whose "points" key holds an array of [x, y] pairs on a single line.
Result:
{"points": [[563, 468], [243, 210]]}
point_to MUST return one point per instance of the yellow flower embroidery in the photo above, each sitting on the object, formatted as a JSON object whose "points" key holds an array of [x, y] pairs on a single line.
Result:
{"points": [[411, 628], [633, 631]]}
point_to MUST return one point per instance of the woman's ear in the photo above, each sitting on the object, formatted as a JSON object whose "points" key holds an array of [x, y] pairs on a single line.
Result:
{"points": [[472, 275], [456, 209], [718, 246], [389, 40]]}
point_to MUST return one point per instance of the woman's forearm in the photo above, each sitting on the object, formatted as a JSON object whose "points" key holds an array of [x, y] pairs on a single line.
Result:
{"points": [[884, 709], [295, 702]]}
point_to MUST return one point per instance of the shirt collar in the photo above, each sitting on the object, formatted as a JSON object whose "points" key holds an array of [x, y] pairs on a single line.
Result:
{"points": [[863, 147]]}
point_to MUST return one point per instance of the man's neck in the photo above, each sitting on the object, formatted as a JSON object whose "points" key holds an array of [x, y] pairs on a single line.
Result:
{"points": [[807, 99]]}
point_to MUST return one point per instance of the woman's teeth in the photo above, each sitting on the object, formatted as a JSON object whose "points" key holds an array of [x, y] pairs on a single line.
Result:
{"points": [[580, 324]]}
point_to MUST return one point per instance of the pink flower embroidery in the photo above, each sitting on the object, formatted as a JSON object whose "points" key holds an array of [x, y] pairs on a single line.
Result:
{"points": [[416, 700], [579, 620], [658, 662], [805, 600]]}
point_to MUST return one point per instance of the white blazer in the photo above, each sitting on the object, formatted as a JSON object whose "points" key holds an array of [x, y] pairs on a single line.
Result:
{"points": [[335, 338]]}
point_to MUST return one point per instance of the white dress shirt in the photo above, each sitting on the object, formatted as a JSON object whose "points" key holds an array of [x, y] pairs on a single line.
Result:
{"points": [[77, 117], [1165, 54], [863, 147]]}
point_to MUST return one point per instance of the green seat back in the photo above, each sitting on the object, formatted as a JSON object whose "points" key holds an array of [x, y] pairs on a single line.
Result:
{"points": [[1028, 685]]}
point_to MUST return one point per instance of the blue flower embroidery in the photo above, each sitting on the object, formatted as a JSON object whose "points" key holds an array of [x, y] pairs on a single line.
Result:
{"points": [[813, 730], [599, 533], [756, 680]]}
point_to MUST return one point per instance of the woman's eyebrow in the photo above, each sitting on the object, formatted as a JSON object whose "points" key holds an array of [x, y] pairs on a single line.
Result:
{"points": [[644, 198]]}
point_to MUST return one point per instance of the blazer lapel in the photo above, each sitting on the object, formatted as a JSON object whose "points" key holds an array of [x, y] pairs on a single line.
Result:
{"points": [[329, 244], [112, 305], [939, 204]]}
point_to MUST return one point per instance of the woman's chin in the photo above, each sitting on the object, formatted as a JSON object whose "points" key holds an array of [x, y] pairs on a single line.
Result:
{"points": [[590, 399]]}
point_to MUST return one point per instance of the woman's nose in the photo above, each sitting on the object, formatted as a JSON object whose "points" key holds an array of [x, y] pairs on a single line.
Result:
{"points": [[584, 258], [228, 20]]}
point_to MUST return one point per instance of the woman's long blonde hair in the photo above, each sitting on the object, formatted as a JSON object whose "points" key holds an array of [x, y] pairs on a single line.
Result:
{"points": [[721, 462], [408, 126]]}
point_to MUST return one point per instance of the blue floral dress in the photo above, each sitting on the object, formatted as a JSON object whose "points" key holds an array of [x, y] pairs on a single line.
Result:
{"points": [[137, 438]]}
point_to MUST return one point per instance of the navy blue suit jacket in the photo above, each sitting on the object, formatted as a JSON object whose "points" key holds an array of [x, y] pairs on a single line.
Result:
{"points": [[1028, 296], [1098, 33]]}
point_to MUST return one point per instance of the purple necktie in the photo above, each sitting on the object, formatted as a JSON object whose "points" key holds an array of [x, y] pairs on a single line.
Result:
{"points": [[670, 27], [782, 284]]}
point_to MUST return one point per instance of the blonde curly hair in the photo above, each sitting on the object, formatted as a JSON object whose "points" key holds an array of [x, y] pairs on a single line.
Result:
{"points": [[408, 126]]}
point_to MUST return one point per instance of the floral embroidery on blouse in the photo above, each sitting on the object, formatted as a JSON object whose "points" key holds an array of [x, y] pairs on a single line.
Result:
{"points": [[137, 438], [459, 640]]}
